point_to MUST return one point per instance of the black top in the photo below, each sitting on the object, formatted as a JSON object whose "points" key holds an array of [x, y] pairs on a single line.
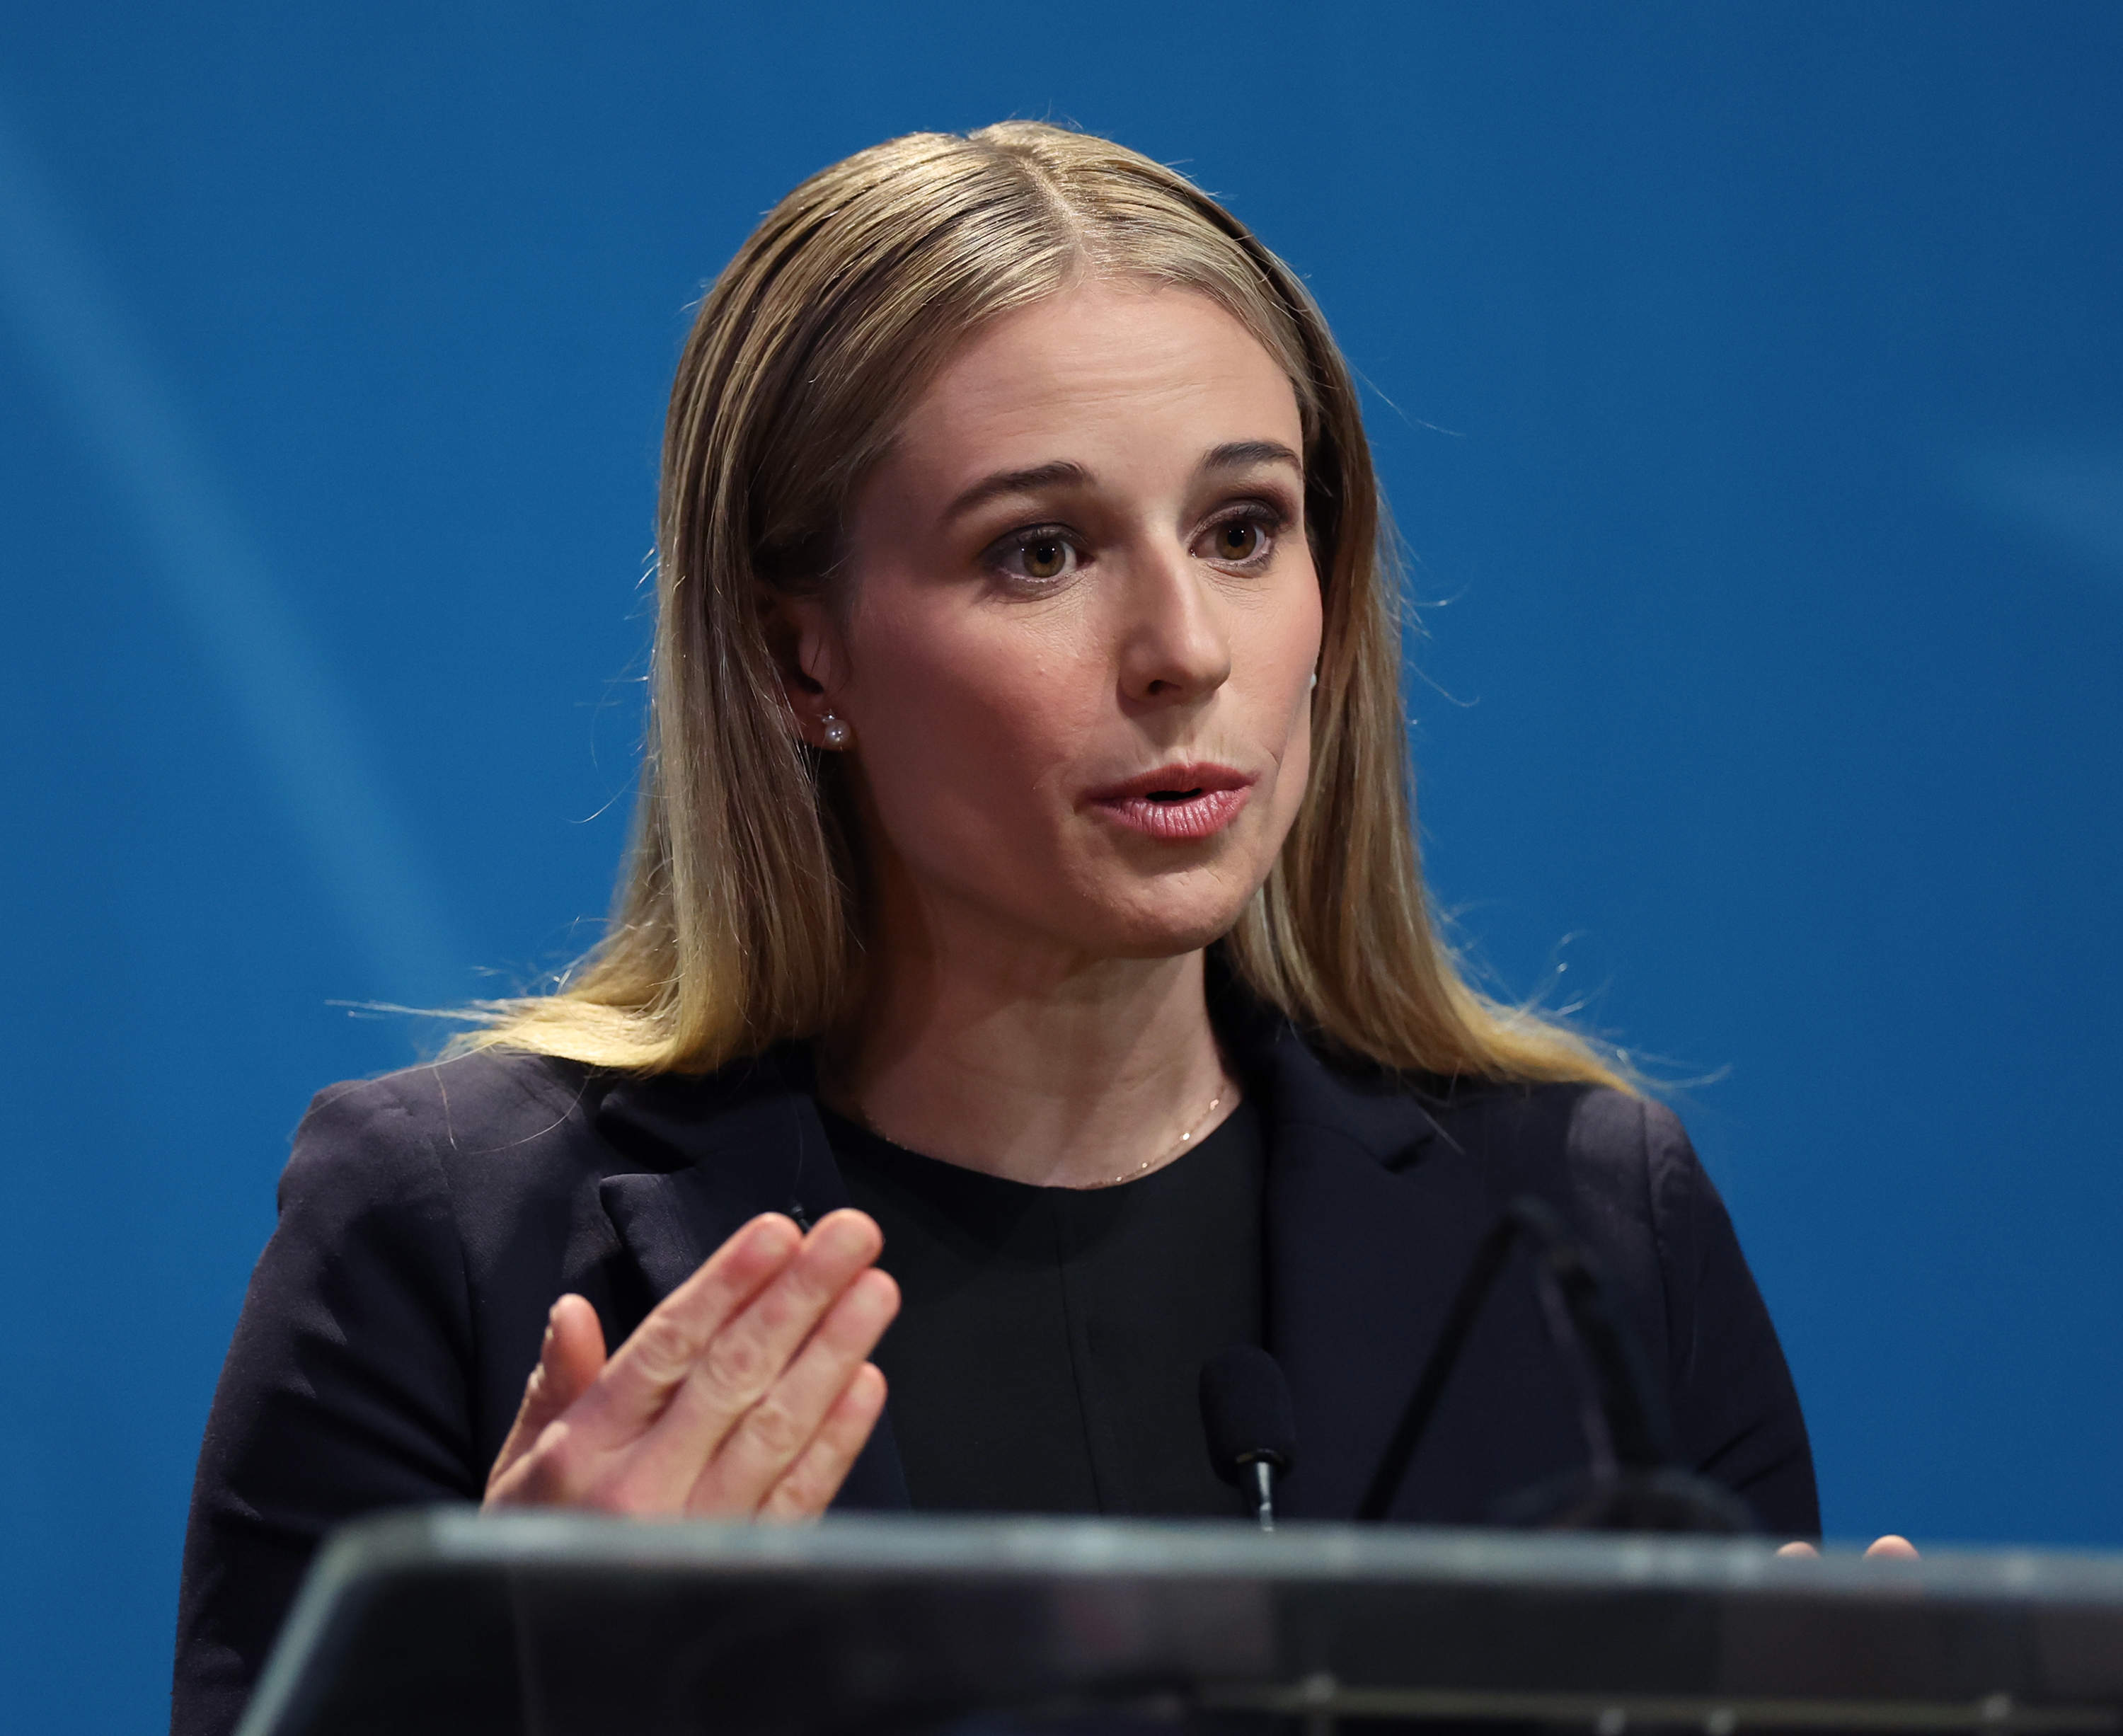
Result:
{"points": [[1050, 1340], [428, 1219]]}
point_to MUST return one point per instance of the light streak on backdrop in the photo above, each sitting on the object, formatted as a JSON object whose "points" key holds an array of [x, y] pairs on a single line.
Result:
{"points": [[302, 727], [2072, 494]]}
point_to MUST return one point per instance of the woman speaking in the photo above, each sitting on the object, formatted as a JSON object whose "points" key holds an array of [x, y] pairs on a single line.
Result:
{"points": [[1021, 989]]}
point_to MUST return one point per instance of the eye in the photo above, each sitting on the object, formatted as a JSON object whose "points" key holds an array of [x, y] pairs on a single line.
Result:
{"points": [[1245, 541], [1047, 558], [1042, 554]]}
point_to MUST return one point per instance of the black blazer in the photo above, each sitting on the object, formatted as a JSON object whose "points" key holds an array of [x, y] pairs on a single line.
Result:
{"points": [[428, 1219]]}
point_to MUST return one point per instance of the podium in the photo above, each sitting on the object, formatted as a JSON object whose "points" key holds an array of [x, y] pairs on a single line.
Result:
{"points": [[568, 1625]]}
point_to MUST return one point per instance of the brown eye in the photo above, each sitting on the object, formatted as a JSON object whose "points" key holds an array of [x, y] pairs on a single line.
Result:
{"points": [[1237, 539], [1046, 557]]}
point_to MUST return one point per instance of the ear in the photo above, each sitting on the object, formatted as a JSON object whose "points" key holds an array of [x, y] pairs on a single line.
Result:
{"points": [[804, 641]]}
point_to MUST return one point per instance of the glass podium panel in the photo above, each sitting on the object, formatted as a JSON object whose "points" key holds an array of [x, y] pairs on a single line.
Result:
{"points": [[568, 1625]]}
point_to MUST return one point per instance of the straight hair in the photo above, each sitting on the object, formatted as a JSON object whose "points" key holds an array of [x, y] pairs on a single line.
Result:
{"points": [[738, 919]]}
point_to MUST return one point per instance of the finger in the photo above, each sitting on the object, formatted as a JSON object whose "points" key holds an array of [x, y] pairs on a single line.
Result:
{"points": [[1893, 1548], [1797, 1548], [570, 1356], [808, 1488], [655, 1361], [738, 1368], [576, 1355], [774, 1433]]}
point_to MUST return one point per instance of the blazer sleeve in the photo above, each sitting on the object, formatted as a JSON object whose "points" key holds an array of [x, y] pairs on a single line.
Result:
{"points": [[347, 1389], [1736, 1412]]}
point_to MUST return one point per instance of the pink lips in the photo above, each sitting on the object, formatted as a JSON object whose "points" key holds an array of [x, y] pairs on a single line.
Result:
{"points": [[1178, 803]]}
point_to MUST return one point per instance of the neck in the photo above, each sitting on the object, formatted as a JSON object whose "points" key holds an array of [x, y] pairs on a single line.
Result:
{"points": [[1024, 1061]]}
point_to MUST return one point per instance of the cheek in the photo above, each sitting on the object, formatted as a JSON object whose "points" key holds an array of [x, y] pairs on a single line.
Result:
{"points": [[1279, 643], [1282, 649], [963, 726]]}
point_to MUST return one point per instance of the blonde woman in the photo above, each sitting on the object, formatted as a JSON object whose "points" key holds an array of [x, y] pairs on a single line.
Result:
{"points": [[1024, 950]]}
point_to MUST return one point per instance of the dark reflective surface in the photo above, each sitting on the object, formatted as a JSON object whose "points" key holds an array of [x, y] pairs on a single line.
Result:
{"points": [[565, 1625]]}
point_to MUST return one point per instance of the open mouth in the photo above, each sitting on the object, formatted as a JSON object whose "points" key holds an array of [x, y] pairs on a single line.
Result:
{"points": [[1178, 803]]}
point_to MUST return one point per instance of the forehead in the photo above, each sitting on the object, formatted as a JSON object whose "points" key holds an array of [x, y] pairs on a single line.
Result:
{"points": [[1118, 364]]}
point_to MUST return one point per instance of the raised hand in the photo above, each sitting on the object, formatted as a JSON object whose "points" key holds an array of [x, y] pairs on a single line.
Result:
{"points": [[746, 1393]]}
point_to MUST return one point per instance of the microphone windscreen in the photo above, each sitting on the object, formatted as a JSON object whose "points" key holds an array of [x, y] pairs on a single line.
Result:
{"points": [[1246, 1410]]}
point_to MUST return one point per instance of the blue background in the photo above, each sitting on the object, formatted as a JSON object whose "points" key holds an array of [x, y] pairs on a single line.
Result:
{"points": [[1746, 383]]}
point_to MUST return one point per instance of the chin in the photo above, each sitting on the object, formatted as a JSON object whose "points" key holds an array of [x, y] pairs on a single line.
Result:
{"points": [[1164, 929], [1123, 910]]}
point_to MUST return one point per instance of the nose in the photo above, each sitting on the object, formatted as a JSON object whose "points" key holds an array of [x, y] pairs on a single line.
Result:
{"points": [[1175, 642]]}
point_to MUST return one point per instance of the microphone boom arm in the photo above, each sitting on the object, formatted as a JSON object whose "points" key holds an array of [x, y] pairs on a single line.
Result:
{"points": [[1624, 1424]]}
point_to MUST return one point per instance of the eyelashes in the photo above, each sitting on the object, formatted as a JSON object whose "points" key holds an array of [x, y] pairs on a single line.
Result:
{"points": [[1045, 554], [1241, 539]]}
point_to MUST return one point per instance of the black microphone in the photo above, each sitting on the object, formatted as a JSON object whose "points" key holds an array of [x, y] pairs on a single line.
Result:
{"points": [[1252, 1433]]}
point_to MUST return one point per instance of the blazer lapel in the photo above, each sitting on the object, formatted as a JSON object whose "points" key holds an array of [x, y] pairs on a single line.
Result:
{"points": [[1372, 1215], [719, 1151], [1371, 1223]]}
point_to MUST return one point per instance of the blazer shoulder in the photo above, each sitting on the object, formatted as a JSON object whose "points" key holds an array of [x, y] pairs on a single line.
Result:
{"points": [[1591, 1134], [400, 1128], [1622, 1166]]}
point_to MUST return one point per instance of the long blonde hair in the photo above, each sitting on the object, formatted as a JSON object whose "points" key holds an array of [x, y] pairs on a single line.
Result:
{"points": [[738, 922]]}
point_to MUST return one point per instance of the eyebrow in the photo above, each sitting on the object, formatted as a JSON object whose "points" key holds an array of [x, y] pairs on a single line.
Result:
{"points": [[1232, 455], [1017, 482], [1244, 454]]}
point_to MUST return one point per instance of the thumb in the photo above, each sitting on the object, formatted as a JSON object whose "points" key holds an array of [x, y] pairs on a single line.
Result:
{"points": [[570, 1360]]}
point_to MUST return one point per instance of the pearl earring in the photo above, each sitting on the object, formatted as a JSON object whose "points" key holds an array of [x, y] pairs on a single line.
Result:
{"points": [[1313, 683], [836, 731]]}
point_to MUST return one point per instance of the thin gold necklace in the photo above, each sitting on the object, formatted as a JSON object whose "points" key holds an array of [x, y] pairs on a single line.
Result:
{"points": [[1186, 1141]]}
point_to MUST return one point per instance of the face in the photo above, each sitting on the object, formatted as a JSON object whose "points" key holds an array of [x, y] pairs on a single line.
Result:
{"points": [[1076, 658]]}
